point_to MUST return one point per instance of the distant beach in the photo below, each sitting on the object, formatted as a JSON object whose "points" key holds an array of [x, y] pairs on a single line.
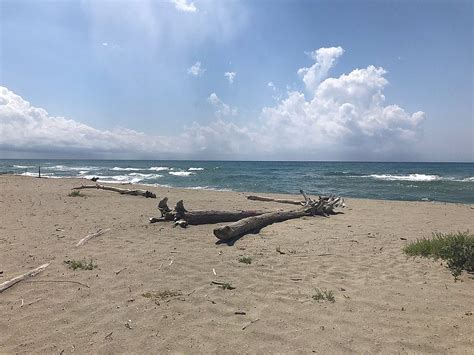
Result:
{"points": [[447, 182]]}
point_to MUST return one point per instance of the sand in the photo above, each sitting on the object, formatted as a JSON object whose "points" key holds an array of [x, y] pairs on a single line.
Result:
{"points": [[385, 302]]}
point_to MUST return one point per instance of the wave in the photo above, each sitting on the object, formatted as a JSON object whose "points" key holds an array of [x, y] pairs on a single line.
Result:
{"points": [[410, 177], [146, 176], [181, 173], [24, 166], [196, 169], [117, 168], [206, 188], [70, 168], [36, 174], [159, 168]]}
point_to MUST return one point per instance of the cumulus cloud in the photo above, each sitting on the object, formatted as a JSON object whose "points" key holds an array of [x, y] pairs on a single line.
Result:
{"points": [[222, 109], [348, 112], [230, 76], [196, 69], [185, 6], [341, 117], [325, 59], [24, 127]]}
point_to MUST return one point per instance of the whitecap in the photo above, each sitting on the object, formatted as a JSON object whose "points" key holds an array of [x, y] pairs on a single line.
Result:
{"points": [[23, 166], [158, 168], [181, 173], [410, 177], [195, 169], [146, 176]]}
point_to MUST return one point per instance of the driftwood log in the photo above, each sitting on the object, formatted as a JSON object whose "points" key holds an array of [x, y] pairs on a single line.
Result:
{"points": [[180, 215], [15, 280], [136, 192], [322, 206]]}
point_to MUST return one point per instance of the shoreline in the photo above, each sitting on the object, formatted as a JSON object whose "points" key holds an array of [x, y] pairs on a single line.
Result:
{"points": [[154, 288]]}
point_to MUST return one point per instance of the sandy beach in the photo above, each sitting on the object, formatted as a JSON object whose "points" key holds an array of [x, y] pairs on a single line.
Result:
{"points": [[152, 290]]}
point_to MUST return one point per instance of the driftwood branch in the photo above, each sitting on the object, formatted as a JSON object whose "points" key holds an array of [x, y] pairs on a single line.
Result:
{"points": [[15, 280], [90, 236], [322, 206], [268, 199], [181, 215], [135, 192]]}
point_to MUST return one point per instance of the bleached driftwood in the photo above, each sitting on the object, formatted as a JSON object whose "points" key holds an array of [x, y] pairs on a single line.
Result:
{"points": [[90, 236], [15, 280], [322, 206], [268, 199], [179, 213], [136, 192]]}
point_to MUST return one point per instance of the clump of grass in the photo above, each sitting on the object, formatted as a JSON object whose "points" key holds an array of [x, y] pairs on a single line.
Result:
{"points": [[162, 295], [245, 259], [81, 264], [324, 295], [457, 249], [76, 193], [227, 286]]}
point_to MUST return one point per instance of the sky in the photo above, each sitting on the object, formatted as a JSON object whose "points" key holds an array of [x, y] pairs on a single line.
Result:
{"points": [[237, 80]]}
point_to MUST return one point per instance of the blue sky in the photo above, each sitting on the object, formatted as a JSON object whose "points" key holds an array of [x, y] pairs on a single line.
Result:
{"points": [[114, 79]]}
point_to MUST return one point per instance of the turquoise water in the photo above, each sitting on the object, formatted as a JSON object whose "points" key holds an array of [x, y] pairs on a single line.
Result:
{"points": [[450, 182]]}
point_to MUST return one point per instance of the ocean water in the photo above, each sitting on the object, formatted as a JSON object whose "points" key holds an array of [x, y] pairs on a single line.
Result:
{"points": [[450, 182]]}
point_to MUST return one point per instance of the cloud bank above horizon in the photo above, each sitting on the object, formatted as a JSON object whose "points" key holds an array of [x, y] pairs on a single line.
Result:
{"points": [[331, 118]]}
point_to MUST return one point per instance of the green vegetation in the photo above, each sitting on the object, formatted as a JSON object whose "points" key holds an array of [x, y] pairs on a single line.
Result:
{"points": [[457, 249], [76, 193], [227, 286], [324, 295], [81, 264], [245, 259]]}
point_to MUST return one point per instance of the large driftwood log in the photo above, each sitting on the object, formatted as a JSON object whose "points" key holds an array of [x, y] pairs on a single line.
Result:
{"points": [[179, 213], [136, 192], [15, 280], [323, 206]]}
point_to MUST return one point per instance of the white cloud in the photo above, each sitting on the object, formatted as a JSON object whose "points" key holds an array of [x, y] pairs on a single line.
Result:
{"points": [[222, 109], [196, 69], [325, 59], [25, 127], [343, 117], [184, 5], [271, 86], [230, 76]]}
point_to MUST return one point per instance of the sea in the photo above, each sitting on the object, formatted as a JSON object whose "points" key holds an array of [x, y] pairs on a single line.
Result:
{"points": [[448, 182]]}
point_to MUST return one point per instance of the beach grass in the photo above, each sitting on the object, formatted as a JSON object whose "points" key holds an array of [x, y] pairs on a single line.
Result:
{"points": [[324, 295], [76, 193], [245, 260], [457, 249], [81, 264]]}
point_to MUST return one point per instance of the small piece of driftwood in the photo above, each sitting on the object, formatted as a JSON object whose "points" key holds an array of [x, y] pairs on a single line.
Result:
{"points": [[15, 280], [90, 236], [136, 192]]}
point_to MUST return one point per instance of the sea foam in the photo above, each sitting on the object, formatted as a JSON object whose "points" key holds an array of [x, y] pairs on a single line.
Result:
{"points": [[410, 177], [181, 173]]}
